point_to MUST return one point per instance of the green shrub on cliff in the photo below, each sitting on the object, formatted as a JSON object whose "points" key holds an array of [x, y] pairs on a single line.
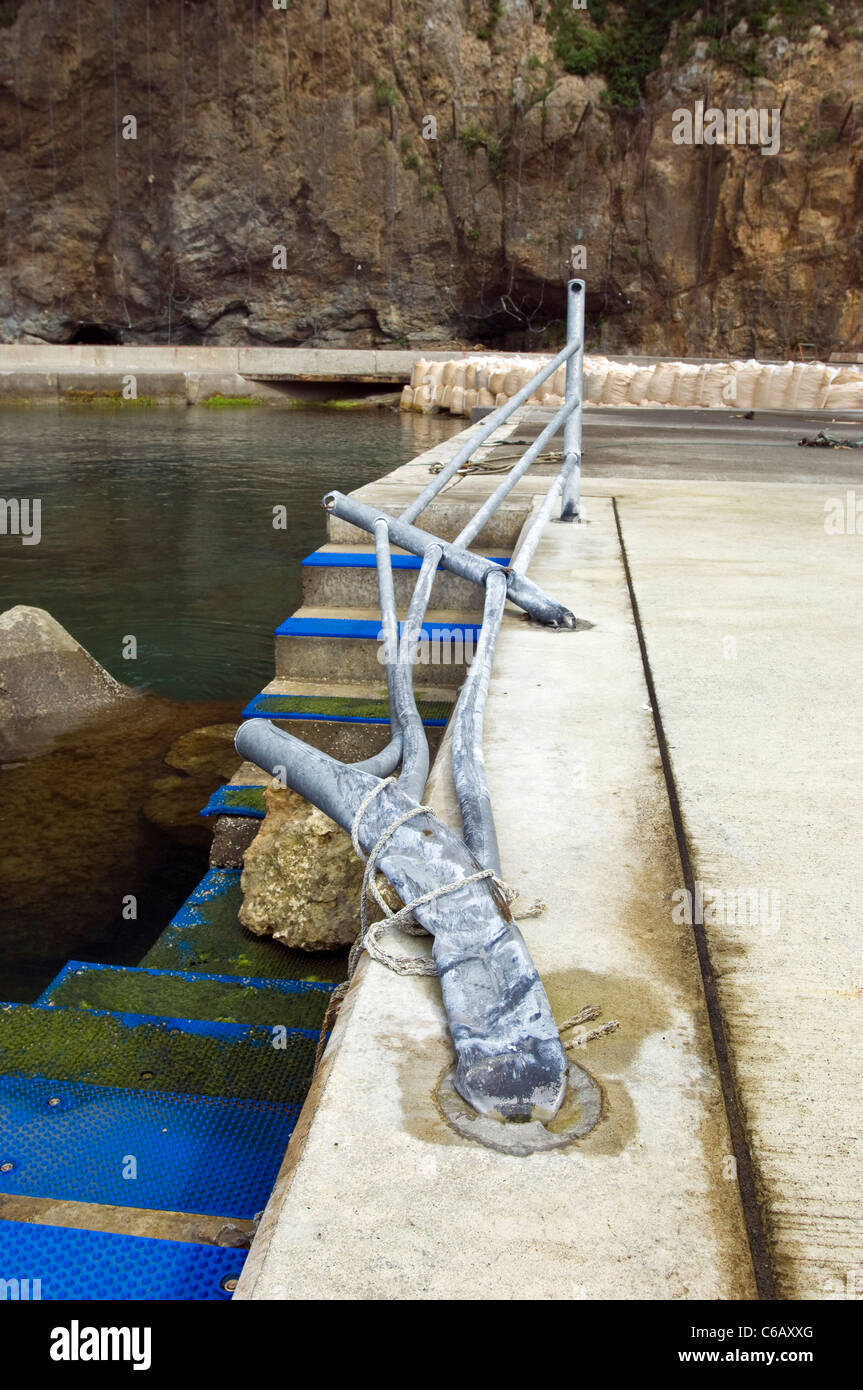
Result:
{"points": [[624, 42]]}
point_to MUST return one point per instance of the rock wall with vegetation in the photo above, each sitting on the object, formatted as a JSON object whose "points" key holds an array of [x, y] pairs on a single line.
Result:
{"points": [[419, 172]]}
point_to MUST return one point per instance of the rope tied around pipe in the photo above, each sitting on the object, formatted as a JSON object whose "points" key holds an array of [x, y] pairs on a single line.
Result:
{"points": [[404, 920]]}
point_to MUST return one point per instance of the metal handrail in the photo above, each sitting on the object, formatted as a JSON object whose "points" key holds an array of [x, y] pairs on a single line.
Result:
{"points": [[510, 1061]]}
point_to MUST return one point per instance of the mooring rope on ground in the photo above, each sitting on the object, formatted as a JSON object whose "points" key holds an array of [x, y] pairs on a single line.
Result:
{"points": [[403, 919]]}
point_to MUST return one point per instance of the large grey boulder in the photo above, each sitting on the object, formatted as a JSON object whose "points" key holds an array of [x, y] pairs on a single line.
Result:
{"points": [[48, 683]]}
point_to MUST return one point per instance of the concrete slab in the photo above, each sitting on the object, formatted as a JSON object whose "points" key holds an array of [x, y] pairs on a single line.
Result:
{"points": [[754, 634], [378, 1197]]}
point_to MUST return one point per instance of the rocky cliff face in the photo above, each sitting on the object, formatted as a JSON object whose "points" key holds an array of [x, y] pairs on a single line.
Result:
{"points": [[377, 171]]}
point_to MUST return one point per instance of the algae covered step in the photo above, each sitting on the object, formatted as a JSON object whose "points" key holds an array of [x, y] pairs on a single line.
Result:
{"points": [[144, 1053], [206, 935], [186, 994], [56, 1263], [109, 1145]]}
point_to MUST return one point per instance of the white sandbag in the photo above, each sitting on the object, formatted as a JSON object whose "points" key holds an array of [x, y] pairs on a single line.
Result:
{"points": [[745, 384], [780, 386], [827, 377], [594, 382], [685, 390], [764, 387], [638, 386], [471, 398], [484, 396], [616, 385], [501, 398], [407, 398], [662, 382], [512, 382], [848, 395], [456, 404]]}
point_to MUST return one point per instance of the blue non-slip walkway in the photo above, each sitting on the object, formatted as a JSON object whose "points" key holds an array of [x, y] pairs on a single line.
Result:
{"points": [[119, 1147], [172, 1086], [56, 1263]]}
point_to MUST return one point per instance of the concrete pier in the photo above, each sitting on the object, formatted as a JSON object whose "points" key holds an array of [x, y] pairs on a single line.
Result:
{"points": [[677, 782], [191, 375]]}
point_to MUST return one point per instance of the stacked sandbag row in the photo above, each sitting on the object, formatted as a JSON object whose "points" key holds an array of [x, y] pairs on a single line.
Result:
{"points": [[460, 384]]}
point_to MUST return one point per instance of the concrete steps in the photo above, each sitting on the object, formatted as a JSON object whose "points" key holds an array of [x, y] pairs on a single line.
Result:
{"points": [[444, 517], [346, 577], [318, 641]]}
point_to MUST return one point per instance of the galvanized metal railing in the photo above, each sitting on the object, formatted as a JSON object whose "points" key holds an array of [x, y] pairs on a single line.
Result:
{"points": [[510, 1061]]}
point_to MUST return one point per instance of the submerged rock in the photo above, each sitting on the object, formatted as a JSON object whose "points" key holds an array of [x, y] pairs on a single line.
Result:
{"points": [[49, 684], [204, 758], [301, 879]]}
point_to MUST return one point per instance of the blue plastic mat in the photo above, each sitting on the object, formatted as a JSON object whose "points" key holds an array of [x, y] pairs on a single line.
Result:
{"points": [[140, 1052], [340, 559], [72, 967], [214, 884], [206, 1155], [60, 1262]]}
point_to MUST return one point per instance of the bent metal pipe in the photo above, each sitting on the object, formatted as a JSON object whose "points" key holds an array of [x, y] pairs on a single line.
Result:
{"points": [[510, 1061]]}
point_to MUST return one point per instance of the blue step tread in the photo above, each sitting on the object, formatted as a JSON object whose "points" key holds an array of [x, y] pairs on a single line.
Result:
{"points": [[237, 799], [342, 559], [206, 934], [203, 1155], [98, 1265], [188, 994], [363, 628], [148, 1053]]}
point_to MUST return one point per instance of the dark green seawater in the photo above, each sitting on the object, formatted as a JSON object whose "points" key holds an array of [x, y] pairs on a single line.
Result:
{"points": [[157, 524]]}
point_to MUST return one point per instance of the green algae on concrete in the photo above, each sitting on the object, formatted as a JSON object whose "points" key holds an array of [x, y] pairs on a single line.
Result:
{"points": [[242, 798], [201, 997], [145, 1054], [113, 398], [218, 945], [350, 707], [218, 402]]}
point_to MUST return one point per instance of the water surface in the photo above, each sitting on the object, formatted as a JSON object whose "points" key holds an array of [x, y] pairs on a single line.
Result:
{"points": [[157, 524]]}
